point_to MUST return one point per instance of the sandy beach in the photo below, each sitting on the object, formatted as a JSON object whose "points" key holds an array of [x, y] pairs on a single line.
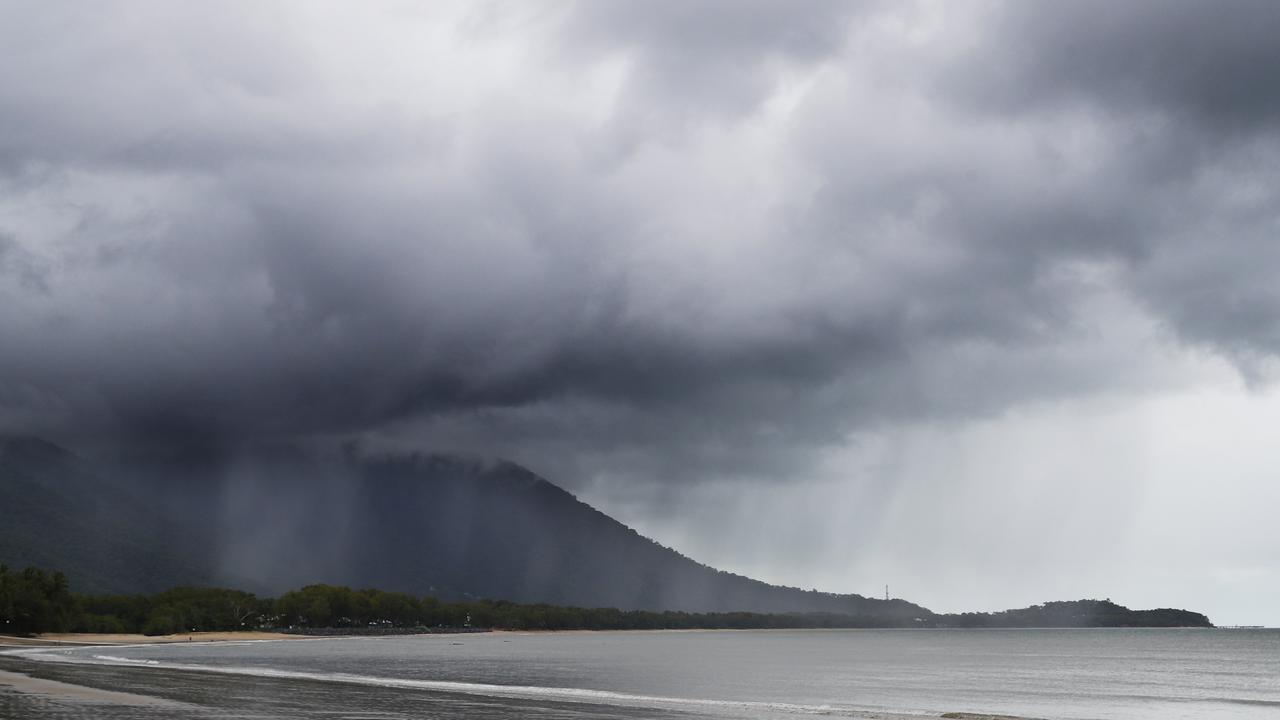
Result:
{"points": [[63, 691], [67, 692], [55, 639], [200, 695], [23, 695], [31, 689]]}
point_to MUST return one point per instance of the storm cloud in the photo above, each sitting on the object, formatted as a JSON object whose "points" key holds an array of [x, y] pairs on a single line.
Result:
{"points": [[641, 243]]}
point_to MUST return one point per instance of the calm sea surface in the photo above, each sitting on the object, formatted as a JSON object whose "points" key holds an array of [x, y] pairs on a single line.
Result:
{"points": [[1112, 674]]}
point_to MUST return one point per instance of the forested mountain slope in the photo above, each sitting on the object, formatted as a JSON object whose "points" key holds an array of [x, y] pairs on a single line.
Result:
{"points": [[268, 521]]}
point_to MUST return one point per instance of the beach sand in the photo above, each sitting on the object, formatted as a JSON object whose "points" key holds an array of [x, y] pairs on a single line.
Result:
{"points": [[52, 639], [25, 695], [63, 691], [44, 691], [66, 692], [57, 691]]}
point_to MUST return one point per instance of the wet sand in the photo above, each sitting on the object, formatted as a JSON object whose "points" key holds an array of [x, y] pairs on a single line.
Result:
{"points": [[53, 689], [53, 639], [61, 691], [26, 697], [33, 690], [45, 691]]}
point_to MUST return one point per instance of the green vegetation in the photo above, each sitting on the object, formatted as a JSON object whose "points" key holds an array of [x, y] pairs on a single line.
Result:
{"points": [[1078, 613], [43, 604], [34, 601], [322, 606]]}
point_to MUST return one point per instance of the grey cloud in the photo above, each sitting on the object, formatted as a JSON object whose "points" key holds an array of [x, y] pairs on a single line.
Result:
{"points": [[228, 255], [1187, 61], [29, 272], [691, 57], [1188, 188]]}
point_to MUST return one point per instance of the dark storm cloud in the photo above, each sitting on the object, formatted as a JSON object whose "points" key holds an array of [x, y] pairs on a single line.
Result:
{"points": [[1185, 87], [1186, 61], [689, 239]]}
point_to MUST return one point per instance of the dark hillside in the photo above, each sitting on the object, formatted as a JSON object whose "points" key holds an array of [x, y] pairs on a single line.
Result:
{"points": [[445, 526], [424, 524], [54, 512]]}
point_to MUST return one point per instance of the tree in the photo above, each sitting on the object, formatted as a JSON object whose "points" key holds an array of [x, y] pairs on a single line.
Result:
{"points": [[34, 601]]}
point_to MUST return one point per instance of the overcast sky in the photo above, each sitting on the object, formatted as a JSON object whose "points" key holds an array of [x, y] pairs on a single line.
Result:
{"points": [[976, 299]]}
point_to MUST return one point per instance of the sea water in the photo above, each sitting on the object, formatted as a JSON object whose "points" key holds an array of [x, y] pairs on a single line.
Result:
{"points": [[1115, 674]]}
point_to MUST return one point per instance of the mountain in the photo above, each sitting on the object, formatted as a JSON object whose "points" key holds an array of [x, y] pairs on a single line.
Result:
{"points": [[56, 513], [276, 519], [272, 520]]}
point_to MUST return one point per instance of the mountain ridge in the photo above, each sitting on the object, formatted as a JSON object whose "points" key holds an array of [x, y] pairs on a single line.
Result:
{"points": [[451, 525], [427, 524]]}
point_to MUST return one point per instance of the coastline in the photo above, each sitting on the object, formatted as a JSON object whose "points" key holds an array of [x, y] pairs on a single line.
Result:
{"points": [[33, 689], [24, 684], [90, 639], [250, 676], [107, 639]]}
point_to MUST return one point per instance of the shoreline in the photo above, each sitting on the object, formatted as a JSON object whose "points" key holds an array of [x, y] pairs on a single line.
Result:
{"points": [[205, 690], [53, 640], [107, 639], [53, 688], [92, 639], [176, 692], [28, 685]]}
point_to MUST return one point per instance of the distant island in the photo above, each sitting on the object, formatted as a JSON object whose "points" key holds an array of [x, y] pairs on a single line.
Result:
{"points": [[1076, 613], [34, 601], [441, 536]]}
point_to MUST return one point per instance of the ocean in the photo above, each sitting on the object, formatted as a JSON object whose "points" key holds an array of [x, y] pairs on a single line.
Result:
{"points": [[1113, 674]]}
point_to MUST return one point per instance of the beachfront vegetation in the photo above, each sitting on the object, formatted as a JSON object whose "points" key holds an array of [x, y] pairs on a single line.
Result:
{"points": [[46, 606], [34, 601]]}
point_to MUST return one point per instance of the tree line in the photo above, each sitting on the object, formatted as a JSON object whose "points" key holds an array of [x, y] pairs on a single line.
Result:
{"points": [[34, 601]]}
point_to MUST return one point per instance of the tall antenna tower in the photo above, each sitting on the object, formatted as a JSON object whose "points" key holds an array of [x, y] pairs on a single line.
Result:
{"points": [[886, 593]]}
